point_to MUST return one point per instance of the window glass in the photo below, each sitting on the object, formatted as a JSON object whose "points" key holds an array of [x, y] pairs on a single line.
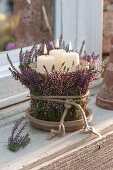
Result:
{"points": [[22, 24]]}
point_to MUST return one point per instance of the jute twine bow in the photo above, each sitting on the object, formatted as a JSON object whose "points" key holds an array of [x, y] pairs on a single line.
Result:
{"points": [[68, 102]]}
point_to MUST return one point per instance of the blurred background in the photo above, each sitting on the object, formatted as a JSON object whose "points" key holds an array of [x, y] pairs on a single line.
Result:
{"points": [[22, 24]]}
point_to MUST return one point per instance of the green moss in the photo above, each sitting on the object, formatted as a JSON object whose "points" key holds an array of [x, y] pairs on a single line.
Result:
{"points": [[53, 111]]}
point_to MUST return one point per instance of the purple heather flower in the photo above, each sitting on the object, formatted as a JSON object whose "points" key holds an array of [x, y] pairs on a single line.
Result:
{"points": [[62, 82]]}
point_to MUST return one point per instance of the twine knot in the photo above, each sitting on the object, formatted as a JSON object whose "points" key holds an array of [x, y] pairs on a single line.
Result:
{"points": [[68, 104]]}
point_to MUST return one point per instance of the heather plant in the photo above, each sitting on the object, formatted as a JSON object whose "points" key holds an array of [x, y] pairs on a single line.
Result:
{"points": [[55, 83], [17, 140], [93, 61]]}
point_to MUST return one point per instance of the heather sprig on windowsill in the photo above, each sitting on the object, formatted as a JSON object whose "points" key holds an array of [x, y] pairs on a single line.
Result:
{"points": [[18, 139]]}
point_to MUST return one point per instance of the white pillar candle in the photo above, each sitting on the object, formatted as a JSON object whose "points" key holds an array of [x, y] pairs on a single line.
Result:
{"points": [[57, 53], [45, 60], [70, 58]]}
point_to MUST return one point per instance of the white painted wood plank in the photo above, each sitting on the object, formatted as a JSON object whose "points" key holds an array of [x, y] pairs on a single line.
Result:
{"points": [[11, 91]]}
